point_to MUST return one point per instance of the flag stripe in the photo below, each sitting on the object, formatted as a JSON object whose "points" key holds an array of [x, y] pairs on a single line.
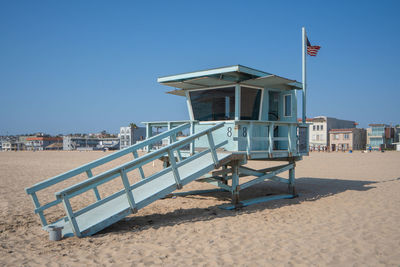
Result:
{"points": [[312, 50]]}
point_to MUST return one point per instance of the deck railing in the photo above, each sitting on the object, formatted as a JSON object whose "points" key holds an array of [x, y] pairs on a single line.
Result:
{"points": [[269, 139], [292, 140], [87, 168]]}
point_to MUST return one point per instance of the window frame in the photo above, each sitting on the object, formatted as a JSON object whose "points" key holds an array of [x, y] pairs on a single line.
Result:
{"points": [[284, 106], [190, 106]]}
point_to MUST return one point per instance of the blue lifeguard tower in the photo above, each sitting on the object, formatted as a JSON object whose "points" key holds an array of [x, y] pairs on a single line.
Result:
{"points": [[236, 114]]}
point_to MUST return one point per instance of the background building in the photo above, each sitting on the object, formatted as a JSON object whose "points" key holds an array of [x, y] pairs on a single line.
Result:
{"points": [[320, 127], [87, 143], [130, 135], [380, 136], [347, 139]]}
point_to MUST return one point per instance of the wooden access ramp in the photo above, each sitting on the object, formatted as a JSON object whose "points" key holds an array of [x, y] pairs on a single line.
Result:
{"points": [[104, 212]]}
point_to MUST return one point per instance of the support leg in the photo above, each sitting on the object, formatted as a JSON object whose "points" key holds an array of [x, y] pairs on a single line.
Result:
{"points": [[291, 187], [225, 181], [235, 182]]}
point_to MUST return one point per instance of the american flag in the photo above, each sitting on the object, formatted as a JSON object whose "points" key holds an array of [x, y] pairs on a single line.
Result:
{"points": [[312, 50]]}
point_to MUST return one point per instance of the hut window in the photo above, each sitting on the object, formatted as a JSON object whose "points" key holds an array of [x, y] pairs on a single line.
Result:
{"points": [[288, 106], [250, 103], [213, 104]]}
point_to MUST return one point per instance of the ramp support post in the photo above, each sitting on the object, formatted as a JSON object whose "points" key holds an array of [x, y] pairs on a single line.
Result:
{"points": [[71, 216], [128, 191]]}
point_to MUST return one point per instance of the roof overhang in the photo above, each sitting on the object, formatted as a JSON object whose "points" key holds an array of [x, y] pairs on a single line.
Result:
{"points": [[273, 81], [225, 76]]}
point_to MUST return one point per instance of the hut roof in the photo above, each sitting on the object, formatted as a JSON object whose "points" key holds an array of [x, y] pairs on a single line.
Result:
{"points": [[227, 76]]}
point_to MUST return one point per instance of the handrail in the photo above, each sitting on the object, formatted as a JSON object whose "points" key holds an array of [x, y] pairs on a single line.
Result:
{"points": [[101, 161], [108, 175], [87, 168]]}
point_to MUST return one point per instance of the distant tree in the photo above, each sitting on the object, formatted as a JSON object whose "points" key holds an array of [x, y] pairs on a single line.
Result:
{"points": [[133, 125]]}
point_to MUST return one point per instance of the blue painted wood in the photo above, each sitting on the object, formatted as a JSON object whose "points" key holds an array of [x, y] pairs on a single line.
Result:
{"points": [[111, 211], [103, 212]]}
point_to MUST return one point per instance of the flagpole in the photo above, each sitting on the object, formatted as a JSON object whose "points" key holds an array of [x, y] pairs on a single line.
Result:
{"points": [[304, 72]]}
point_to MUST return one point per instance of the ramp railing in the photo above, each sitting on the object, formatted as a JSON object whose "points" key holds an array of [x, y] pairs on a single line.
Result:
{"points": [[122, 170], [87, 168]]}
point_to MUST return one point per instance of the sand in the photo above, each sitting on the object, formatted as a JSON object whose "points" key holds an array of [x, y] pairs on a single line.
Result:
{"points": [[347, 214]]}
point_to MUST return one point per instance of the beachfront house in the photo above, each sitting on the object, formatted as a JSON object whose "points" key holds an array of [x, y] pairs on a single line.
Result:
{"points": [[380, 136], [320, 127], [40, 142], [347, 139]]}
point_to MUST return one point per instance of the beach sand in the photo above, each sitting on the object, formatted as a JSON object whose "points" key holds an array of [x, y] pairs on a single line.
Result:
{"points": [[347, 214]]}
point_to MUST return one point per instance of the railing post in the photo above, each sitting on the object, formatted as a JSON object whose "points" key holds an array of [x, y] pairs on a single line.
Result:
{"points": [[70, 215], [289, 139], [37, 205], [271, 139], [96, 192], [149, 133], [178, 152], [135, 156], [212, 148], [174, 169], [249, 138], [128, 191], [169, 128], [192, 147]]}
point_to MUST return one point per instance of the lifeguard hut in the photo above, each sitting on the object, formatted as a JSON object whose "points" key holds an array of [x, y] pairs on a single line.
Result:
{"points": [[236, 114], [258, 111]]}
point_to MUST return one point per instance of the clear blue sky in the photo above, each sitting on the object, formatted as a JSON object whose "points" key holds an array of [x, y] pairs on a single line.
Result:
{"points": [[87, 66]]}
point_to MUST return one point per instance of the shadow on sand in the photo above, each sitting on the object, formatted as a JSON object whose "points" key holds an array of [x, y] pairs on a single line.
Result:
{"points": [[309, 189]]}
